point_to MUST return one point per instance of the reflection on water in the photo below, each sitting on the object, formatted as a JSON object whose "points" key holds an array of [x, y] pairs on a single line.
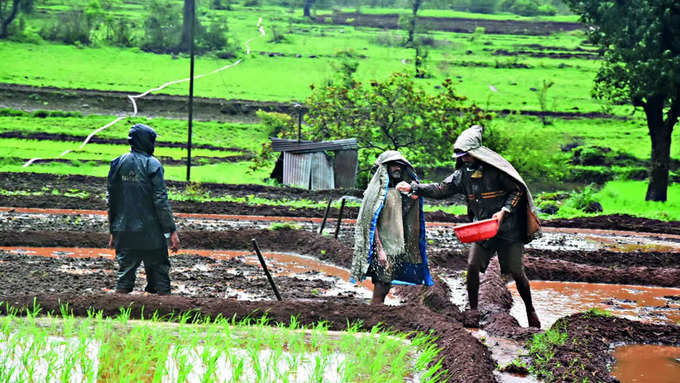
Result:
{"points": [[647, 363], [554, 300]]}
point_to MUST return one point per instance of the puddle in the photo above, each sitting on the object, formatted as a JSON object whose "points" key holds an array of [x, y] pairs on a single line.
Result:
{"points": [[554, 300], [646, 363], [504, 352]]}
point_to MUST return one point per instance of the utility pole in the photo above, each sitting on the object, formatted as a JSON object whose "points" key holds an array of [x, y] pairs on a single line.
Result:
{"points": [[191, 84]]}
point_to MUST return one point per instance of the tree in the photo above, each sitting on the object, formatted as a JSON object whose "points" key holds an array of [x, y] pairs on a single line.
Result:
{"points": [[415, 6], [641, 44], [9, 10], [392, 114], [307, 8]]}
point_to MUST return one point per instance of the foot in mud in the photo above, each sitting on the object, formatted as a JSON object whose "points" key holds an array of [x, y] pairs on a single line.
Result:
{"points": [[471, 318], [533, 319]]}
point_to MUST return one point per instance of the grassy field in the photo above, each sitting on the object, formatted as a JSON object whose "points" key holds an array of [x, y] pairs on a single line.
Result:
{"points": [[471, 60], [498, 72]]}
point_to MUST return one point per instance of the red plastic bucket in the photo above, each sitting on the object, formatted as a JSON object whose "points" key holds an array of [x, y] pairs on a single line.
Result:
{"points": [[477, 231]]}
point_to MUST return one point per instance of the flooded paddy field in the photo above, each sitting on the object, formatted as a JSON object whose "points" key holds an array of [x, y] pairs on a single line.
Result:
{"points": [[57, 256]]}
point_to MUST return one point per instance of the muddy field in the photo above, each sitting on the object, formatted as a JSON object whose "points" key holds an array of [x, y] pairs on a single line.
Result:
{"points": [[234, 285]]}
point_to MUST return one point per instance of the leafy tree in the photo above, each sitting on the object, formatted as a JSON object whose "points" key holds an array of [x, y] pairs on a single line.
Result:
{"points": [[392, 114], [9, 10], [641, 44], [161, 30]]}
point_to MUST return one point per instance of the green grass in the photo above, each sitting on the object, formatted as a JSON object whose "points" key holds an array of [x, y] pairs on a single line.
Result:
{"points": [[627, 197], [231, 135], [260, 77], [66, 348]]}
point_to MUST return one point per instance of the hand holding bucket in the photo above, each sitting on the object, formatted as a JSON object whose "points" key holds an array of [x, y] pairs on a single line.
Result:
{"points": [[477, 231]]}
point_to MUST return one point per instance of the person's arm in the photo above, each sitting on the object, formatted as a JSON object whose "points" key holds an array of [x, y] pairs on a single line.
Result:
{"points": [[450, 186], [162, 206], [109, 204], [515, 193]]}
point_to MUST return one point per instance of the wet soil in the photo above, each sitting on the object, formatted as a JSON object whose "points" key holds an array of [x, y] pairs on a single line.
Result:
{"points": [[96, 186], [425, 308], [586, 353]]}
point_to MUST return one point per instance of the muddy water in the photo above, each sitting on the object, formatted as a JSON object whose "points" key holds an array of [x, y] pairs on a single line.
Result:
{"points": [[647, 363], [279, 264], [554, 300]]}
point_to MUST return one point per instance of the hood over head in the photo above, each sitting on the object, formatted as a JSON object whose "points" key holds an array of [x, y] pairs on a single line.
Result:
{"points": [[470, 139], [142, 138], [392, 155]]}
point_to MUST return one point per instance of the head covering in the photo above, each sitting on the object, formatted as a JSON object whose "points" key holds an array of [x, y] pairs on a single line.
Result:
{"points": [[415, 271], [142, 138], [457, 154], [470, 141]]}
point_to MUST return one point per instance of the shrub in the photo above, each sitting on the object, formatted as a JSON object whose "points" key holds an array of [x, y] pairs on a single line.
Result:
{"points": [[482, 6], [8, 112], [590, 174], [584, 199], [215, 36], [162, 30]]}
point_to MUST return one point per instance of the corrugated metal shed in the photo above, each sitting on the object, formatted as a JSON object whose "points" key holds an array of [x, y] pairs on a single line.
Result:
{"points": [[306, 164], [295, 146]]}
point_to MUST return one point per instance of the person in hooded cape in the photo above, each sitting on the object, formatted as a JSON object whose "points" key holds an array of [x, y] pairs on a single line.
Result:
{"points": [[494, 189], [139, 214], [389, 238]]}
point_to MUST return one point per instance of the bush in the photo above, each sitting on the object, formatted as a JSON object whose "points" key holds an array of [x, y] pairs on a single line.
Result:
{"points": [[70, 27], [584, 200], [162, 31], [590, 174], [215, 36], [8, 112], [54, 113], [482, 6]]}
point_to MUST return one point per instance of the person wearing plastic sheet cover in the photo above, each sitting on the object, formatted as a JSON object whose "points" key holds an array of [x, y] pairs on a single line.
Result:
{"points": [[139, 215], [389, 238], [493, 189]]}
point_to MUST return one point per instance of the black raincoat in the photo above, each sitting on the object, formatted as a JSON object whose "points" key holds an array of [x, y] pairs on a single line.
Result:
{"points": [[137, 200]]}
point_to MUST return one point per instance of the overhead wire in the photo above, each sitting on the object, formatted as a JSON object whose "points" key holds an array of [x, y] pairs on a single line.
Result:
{"points": [[133, 97]]}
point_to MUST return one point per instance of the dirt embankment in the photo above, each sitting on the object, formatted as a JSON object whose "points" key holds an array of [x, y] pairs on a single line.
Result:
{"points": [[453, 24], [31, 98], [96, 187], [87, 101]]}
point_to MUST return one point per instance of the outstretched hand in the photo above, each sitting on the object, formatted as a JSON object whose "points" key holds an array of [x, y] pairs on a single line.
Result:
{"points": [[406, 188]]}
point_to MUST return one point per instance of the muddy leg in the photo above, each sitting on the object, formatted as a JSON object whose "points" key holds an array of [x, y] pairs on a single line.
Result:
{"points": [[524, 290], [472, 281], [128, 262], [380, 291]]}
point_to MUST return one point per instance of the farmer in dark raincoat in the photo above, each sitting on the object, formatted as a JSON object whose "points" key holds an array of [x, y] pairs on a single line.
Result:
{"points": [[140, 215], [493, 188], [389, 238]]}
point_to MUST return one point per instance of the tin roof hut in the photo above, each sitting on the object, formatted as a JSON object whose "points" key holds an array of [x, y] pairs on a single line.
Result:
{"points": [[316, 165]]}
